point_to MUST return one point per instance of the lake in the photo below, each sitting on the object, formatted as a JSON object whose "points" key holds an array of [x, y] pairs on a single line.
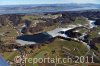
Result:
{"points": [[94, 23], [34, 39]]}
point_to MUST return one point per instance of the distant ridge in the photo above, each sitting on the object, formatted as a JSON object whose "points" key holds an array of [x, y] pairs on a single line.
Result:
{"points": [[10, 9]]}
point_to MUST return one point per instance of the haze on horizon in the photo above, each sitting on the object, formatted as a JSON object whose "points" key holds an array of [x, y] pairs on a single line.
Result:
{"points": [[21, 2]]}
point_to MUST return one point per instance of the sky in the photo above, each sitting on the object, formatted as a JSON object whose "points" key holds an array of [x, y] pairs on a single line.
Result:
{"points": [[19, 2]]}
